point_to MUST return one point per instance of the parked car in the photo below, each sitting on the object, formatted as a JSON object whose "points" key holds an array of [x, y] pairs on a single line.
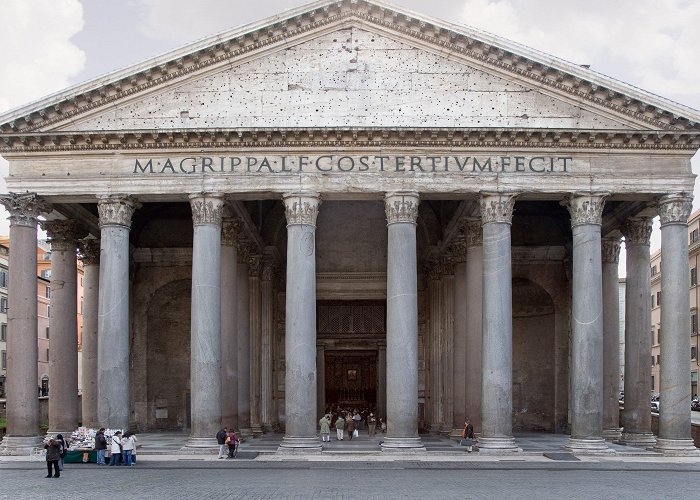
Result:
{"points": [[655, 401]]}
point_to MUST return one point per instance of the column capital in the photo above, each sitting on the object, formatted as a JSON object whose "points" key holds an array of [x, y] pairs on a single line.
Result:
{"points": [[116, 210], [89, 251], [301, 208], [24, 208], [610, 247], [269, 268], [586, 208], [497, 207], [471, 227], [254, 265], [401, 207], [207, 209], [63, 234], [458, 249], [433, 269], [447, 265], [230, 231], [637, 231], [675, 208]]}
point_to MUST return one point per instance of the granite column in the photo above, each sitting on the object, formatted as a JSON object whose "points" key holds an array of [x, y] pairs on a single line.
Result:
{"points": [[90, 255], [402, 324], [611, 339], [446, 346], [205, 353], [243, 338], [300, 338], [229, 345], [474, 327], [459, 351], [267, 318], [254, 267]]}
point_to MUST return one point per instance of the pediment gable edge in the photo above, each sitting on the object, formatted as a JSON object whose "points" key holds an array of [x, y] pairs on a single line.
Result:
{"points": [[501, 55]]}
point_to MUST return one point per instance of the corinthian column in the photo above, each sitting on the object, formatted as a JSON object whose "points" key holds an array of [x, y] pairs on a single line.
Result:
{"points": [[587, 325], [474, 328], [90, 255], [255, 268], [434, 296], [243, 338], [300, 338], [22, 344], [205, 355], [446, 349], [611, 339], [402, 324], [636, 418], [267, 315], [459, 352], [674, 436], [115, 213], [497, 340], [63, 346], [229, 344]]}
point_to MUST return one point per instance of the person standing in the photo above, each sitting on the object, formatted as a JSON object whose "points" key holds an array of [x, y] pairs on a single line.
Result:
{"points": [[128, 445], [340, 427], [100, 446], [64, 450], [221, 441], [357, 419], [232, 442], [350, 424], [325, 424], [53, 455], [372, 424], [468, 435], [116, 448]]}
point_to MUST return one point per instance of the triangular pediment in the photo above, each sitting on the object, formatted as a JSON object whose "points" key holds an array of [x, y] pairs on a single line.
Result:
{"points": [[352, 64]]}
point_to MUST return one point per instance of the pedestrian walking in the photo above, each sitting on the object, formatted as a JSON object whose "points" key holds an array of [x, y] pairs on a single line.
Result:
{"points": [[325, 424], [232, 442], [350, 425], [340, 427], [53, 455], [100, 446], [116, 448], [372, 424], [221, 441], [467, 435]]}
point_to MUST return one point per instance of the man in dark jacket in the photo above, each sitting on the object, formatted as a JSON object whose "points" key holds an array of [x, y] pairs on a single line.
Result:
{"points": [[221, 441], [53, 455], [100, 446]]}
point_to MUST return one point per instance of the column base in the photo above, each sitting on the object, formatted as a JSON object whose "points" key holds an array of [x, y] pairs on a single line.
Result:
{"points": [[638, 439], [19, 445], [66, 434], [505, 445], [612, 434], [676, 447], [299, 446], [403, 445], [200, 446], [591, 446], [446, 430], [245, 433], [456, 433], [256, 430]]}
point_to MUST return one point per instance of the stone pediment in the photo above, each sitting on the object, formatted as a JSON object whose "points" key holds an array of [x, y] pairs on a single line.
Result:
{"points": [[348, 64]]}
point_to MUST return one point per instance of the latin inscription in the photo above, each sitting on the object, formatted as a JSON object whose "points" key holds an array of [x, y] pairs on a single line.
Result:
{"points": [[352, 164]]}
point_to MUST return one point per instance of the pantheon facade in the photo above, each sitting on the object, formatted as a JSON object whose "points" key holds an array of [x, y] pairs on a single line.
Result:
{"points": [[345, 206]]}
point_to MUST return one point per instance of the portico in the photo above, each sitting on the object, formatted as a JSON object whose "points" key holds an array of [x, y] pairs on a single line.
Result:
{"points": [[459, 208]]}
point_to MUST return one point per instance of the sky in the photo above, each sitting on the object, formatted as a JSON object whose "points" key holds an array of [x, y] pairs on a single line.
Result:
{"points": [[49, 45]]}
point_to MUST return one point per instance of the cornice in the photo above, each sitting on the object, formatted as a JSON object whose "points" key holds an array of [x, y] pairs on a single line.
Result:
{"points": [[458, 41], [356, 137]]}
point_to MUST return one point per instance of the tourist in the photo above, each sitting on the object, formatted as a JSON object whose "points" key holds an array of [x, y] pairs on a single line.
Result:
{"points": [[133, 452], [221, 441], [116, 448], [467, 435], [357, 419], [100, 446], [350, 424], [53, 455], [128, 445], [232, 442], [64, 450], [340, 426], [325, 424], [372, 424]]}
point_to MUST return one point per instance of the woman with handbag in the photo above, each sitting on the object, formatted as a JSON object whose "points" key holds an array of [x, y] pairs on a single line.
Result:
{"points": [[467, 435]]}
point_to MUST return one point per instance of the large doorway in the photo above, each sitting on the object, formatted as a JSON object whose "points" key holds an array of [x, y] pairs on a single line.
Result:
{"points": [[351, 354]]}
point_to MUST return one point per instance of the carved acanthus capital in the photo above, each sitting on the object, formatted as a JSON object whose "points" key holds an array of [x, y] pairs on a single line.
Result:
{"points": [[245, 250], [473, 234], [401, 207], [637, 231], [254, 265], [24, 208], [116, 210], [610, 250], [497, 207], [269, 268], [675, 208], [301, 208], [447, 265], [459, 249], [586, 208], [433, 269], [89, 251], [207, 209], [231, 228], [63, 234]]}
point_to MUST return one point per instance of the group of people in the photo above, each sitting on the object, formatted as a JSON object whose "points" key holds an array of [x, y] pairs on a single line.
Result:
{"points": [[352, 422], [228, 443], [122, 448]]}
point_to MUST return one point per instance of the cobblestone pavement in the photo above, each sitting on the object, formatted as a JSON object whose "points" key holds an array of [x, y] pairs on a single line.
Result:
{"points": [[353, 480]]}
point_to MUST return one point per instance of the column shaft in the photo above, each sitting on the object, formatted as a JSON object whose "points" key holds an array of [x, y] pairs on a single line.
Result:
{"points": [[674, 436], [474, 327], [205, 355], [243, 340], [434, 295], [402, 324], [459, 356], [255, 343], [446, 348], [229, 345], [267, 408], [300, 323], [497, 380], [611, 340]]}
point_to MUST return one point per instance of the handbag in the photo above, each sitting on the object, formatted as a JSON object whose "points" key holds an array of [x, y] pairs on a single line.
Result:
{"points": [[355, 433]]}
